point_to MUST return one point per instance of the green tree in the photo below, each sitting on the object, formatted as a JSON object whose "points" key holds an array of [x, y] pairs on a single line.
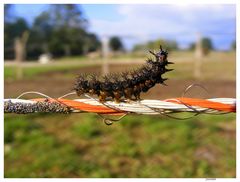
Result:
{"points": [[154, 45], [192, 46], [69, 28], [207, 45], [40, 34], [116, 44], [233, 45], [62, 30], [12, 29]]}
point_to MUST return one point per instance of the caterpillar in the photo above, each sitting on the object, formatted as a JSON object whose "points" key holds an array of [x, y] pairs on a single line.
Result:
{"points": [[126, 85]]}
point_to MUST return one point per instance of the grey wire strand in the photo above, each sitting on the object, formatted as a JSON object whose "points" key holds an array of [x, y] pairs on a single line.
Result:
{"points": [[34, 92], [194, 85], [71, 93]]}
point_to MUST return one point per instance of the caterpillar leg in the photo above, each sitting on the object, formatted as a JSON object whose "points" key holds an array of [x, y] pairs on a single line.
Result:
{"points": [[128, 93], [79, 93], [92, 92], [102, 96], [137, 91], [117, 96], [137, 97]]}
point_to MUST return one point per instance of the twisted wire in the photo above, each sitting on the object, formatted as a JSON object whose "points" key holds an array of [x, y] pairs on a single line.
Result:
{"points": [[148, 107]]}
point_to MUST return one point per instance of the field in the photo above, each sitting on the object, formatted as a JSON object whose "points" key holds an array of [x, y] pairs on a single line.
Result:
{"points": [[81, 145]]}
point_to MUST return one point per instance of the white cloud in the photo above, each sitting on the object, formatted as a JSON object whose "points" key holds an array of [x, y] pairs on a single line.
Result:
{"points": [[143, 22]]}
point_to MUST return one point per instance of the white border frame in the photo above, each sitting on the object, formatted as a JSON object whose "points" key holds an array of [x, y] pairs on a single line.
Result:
{"points": [[120, 2]]}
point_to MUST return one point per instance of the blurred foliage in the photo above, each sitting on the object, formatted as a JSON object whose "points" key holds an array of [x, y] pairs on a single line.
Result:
{"points": [[41, 145], [61, 30], [13, 27], [154, 45], [206, 44], [233, 46], [116, 44]]}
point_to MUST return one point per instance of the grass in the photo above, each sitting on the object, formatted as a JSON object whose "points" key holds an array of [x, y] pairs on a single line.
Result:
{"points": [[217, 65], [33, 71], [224, 66], [137, 146]]}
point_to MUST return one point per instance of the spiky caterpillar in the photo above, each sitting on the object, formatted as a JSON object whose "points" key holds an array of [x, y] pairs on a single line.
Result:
{"points": [[127, 84]]}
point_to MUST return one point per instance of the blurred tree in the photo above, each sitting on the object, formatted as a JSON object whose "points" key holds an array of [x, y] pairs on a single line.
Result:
{"points": [[16, 28], [91, 43], [154, 45], [233, 46], [62, 30], [40, 35], [206, 45], [69, 28], [13, 28], [67, 15], [192, 46], [116, 44]]}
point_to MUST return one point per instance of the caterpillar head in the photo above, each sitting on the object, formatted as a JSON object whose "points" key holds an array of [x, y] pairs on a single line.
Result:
{"points": [[160, 56]]}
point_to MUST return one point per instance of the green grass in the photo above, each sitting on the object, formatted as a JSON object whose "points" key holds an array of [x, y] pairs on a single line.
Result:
{"points": [[217, 65], [33, 71], [74, 145], [223, 64]]}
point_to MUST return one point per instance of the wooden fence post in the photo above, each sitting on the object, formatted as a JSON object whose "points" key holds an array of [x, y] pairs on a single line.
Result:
{"points": [[199, 57], [20, 53], [105, 54]]}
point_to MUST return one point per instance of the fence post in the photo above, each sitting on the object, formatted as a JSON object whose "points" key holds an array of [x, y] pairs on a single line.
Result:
{"points": [[105, 54], [199, 57], [20, 53]]}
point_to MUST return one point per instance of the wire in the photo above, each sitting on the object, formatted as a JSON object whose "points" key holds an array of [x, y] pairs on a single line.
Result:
{"points": [[148, 107]]}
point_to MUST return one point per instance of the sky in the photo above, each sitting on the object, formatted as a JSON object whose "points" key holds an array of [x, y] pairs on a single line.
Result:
{"points": [[141, 23]]}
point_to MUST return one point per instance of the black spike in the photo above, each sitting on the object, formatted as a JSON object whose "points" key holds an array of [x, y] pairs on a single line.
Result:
{"points": [[161, 47], [152, 53], [164, 79], [166, 70], [169, 62]]}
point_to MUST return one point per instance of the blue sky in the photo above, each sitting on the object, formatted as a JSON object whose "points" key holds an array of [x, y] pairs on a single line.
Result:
{"points": [[140, 23]]}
